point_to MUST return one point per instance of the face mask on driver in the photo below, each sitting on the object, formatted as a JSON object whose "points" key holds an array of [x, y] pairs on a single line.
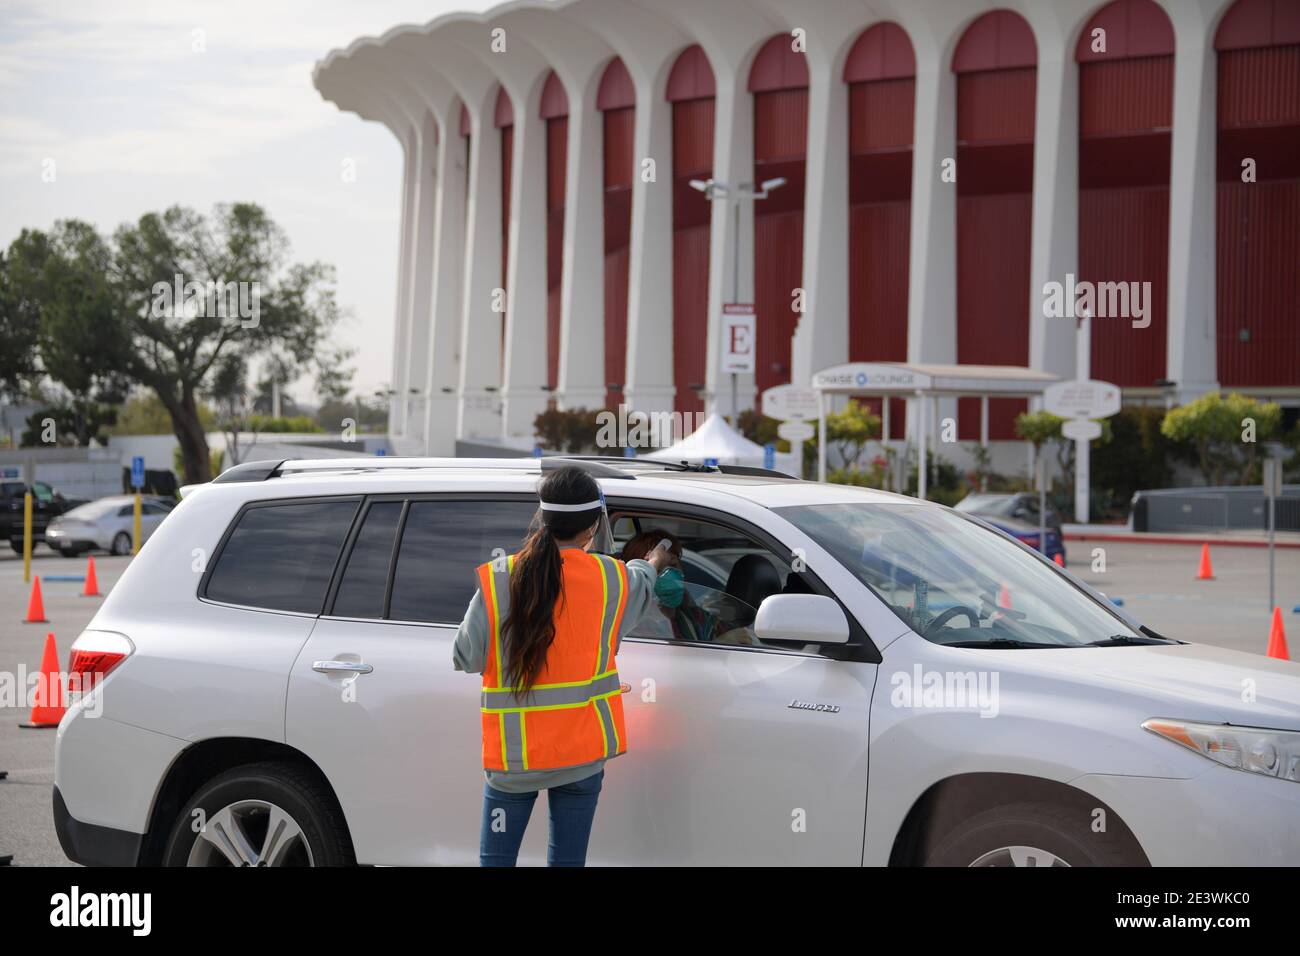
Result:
{"points": [[670, 588]]}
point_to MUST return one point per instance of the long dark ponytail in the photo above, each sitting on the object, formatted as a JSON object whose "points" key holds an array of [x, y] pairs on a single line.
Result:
{"points": [[536, 583]]}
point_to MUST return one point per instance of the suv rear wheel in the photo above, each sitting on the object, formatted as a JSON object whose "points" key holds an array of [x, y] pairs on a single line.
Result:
{"points": [[263, 814], [1032, 834]]}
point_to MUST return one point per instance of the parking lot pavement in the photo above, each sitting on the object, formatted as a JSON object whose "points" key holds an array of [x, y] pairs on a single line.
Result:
{"points": [[1157, 583], [26, 823]]}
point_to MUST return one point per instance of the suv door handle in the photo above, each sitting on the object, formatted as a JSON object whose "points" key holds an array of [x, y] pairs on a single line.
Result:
{"points": [[352, 667]]}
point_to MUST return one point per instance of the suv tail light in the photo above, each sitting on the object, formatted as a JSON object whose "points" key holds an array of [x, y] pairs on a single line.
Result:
{"points": [[94, 655]]}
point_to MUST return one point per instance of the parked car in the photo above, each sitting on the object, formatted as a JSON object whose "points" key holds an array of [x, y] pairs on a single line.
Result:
{"points": [[47, 504], [913, 685], [1020, 505], [106, 524]]}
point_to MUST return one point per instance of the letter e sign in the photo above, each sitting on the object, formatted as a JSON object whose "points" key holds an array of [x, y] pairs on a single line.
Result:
{"points": [[738, 338]]}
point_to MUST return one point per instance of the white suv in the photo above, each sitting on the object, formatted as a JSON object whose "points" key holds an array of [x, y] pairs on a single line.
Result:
{"points": [[856, 677]]}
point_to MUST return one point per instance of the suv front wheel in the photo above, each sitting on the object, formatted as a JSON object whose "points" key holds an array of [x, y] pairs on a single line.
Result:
{"points": [[1032, 834], [263, 814]]}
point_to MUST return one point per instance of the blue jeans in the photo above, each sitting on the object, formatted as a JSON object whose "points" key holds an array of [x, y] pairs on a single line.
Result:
{"points": [[505, 817]]}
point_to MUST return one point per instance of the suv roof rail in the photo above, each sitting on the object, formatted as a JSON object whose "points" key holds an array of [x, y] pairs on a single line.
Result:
{"points": [[756, 472], [275, 468]]}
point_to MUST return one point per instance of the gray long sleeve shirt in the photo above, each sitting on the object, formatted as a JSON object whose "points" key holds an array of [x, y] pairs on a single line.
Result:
{"points": [[469, 654]]}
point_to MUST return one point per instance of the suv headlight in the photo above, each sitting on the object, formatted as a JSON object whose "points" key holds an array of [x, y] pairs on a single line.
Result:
{"points": [[1274, 753]]}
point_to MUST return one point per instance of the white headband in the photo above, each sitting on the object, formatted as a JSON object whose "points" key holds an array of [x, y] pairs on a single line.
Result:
{"points": [[553, 506]]}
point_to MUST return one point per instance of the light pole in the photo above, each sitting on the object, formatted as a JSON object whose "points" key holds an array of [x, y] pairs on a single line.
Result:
{"points": [[714, 190]]}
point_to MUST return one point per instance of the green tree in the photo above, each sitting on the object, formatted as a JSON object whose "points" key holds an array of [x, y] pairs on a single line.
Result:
{"points": [[20, 319], [850, 429], [65, 278], [1223, 433], [144, 414], [176, 346]]}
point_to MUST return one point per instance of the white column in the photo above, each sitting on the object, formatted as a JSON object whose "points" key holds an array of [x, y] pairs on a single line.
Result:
{"points": [[580, 379], [480, 368], [397, 401], [443, 359], [416, 351], [1191, 360], [649, 386], [822, 336], [525, 359], [932, 273], [1055, 238], [733, 163]]}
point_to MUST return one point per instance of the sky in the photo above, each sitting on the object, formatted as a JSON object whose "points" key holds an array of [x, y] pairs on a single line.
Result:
{"points": [[137, 105]]}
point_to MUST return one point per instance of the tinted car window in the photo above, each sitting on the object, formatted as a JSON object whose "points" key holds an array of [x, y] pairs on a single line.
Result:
{"points": [[281, 556], [365, 579], [442, 543]]}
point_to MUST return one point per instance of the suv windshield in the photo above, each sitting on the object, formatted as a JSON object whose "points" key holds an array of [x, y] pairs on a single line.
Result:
{"points": [[956, 582]]}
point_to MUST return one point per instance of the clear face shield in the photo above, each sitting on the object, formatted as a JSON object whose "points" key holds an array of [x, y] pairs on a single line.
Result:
{"points": [[602, 542]]}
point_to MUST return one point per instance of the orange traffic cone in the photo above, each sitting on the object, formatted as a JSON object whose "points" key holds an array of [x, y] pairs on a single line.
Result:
{"points": [[1206, 571], [35, 606], [92, 583], [1060, 561], [1277, 638], [1004, 596], [48, 706]]}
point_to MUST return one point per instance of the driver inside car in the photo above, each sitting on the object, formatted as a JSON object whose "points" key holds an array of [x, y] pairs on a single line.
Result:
{"points": [[686, 620]]}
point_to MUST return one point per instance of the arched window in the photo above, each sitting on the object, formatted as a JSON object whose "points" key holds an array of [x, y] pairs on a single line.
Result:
{"points": [[1126, 90], [880, 71], [779, 82], [996, 66], [1257, 298], [616, 99], [691, 91]]}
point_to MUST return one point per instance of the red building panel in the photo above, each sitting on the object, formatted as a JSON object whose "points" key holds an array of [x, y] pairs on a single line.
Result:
{"points": [[555, 102], [557, 149], [778, 271], [616, 89], [1259, 87], [1134, 28], [993, 242], [777, 66], [691, 77], [1124, 237], [881, 115], [1257, 291], [996, 107], [998, 40], [618, 147], [1258, 23], [507, 157], [692, 159], [1126, 96], [780, 126], [883, 52]]}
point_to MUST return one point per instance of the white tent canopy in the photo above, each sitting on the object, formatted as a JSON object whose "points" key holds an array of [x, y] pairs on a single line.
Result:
{"points": [[922, 382], [715, 440]]}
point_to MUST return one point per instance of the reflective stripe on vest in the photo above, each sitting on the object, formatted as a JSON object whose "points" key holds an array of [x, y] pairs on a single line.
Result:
{"points": [[594, 725]]}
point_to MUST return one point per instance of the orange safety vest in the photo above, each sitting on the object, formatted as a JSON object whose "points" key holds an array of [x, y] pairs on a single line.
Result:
{"points": [[574, 713]]}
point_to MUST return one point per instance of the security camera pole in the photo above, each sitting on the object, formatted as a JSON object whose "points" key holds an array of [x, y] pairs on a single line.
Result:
{"points": [[714, 189]]}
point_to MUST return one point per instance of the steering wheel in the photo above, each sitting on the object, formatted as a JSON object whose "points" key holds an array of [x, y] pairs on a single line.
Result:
{"points": [[949, 614]]}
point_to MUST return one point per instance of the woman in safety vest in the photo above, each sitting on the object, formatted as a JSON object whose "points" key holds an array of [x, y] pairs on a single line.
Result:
{"points": [[543, 629]]}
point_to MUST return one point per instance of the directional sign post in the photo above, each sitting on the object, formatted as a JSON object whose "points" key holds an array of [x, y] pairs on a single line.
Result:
{"points": [[1082, 401], [796, 408]]}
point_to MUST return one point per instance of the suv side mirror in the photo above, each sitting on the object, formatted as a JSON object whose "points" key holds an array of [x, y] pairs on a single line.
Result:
{"points": [[810, 618]]}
